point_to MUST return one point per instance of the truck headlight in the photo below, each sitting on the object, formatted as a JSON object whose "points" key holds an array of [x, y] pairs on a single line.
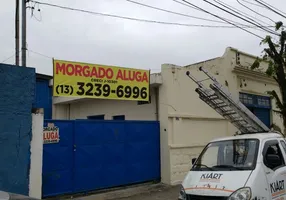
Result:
{"points": [[182, 194], [241, 194]]}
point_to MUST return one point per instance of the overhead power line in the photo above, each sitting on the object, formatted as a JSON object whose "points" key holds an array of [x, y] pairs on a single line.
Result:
{"points": [[40, 54], [10, 57], [255, 11], [272, 8], [46, 56], [172, 12], [185, 15], [235, 10], [249, 2], [239, 12], [261, 27], [137, 19], [193, 5], [184, 4], [195, 8]]}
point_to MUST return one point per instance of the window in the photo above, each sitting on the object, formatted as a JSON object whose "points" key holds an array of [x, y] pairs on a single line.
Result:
{"points": [[272, 155], [119, 117], [96, 117], [283, 144], [255, 100], [228, 155], [209, 158], [263, 101], [246, 98]]}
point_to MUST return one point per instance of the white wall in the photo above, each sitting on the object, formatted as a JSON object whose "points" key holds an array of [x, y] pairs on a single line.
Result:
{"points": [[35, 185], [191, 123], [86, 107]]}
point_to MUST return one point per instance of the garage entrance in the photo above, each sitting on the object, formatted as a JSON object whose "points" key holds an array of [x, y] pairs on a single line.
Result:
{"points": [[260, 106], [96, 154]]}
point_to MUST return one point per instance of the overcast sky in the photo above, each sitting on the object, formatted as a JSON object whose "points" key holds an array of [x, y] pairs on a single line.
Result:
{"points": [[70, 35]]}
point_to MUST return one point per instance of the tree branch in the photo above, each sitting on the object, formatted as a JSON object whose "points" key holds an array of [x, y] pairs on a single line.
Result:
{"points": [[282, 43], [272, 47], [278, 101], [279, 63]]}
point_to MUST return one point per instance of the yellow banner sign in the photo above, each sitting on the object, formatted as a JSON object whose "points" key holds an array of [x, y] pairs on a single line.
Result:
{"points": [[73, 79]]}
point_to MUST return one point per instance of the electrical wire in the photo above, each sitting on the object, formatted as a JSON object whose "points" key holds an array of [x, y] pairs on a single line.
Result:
{"points": [[239, 11], [186, 5], [246, 1], [9, 57], [137, 19], [261, 27], [222, 19], [249, 18], [172, 12], [269, 7], [46, 56], [40, 54], [273, 7], [255, 11], [39, 10]]}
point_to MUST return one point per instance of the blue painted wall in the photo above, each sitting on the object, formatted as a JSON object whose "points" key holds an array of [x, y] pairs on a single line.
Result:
{"points": [[43, 98], [17, 86]]}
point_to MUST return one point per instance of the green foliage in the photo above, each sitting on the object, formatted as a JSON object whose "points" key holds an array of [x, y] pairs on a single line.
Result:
{"points": [[275, 96], [256, 64], [278, 25], [275, 56], [270, 70], [266, 39]]}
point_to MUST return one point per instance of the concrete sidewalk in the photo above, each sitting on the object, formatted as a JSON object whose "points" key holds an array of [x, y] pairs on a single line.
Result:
{"points": [[141, 192], [170, 193]]}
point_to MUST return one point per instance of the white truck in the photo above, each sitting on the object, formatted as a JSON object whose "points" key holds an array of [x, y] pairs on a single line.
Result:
{"points": [[247, 166]]}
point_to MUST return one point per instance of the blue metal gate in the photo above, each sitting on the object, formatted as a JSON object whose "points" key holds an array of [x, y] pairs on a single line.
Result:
{"points": [[94, 155], [58, 161]]}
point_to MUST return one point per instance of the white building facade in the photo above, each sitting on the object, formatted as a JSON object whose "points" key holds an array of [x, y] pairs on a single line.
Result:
{"points": [[186, 123]]}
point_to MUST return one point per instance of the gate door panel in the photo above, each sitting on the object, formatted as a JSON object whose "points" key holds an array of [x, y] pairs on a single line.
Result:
{"points": [[57, 161], [99, 156], [115, 153], [142, 151]]}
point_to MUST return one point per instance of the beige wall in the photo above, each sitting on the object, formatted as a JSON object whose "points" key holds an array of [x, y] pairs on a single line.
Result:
{"points": [[190, 123], [85, 107]]}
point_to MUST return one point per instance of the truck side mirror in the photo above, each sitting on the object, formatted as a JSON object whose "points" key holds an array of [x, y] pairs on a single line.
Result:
{"points": [[194, 160], [273, 160]]}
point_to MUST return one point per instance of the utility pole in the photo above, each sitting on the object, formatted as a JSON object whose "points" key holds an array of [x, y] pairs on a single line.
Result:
{"points": [[17, 28], [24, 28]]}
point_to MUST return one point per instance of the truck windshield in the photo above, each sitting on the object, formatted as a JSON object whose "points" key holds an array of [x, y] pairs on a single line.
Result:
{"points": [[228, 155]]}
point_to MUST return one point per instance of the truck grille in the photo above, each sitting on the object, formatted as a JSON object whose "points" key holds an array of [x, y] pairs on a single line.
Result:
{"points": [[198, 197]]}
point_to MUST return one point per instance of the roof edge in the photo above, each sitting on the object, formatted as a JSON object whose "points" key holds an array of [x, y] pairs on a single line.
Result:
{"points": [[241, 52], [43, 76]]}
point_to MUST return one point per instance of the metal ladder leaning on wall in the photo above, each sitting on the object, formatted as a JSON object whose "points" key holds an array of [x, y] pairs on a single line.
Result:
{"points": [[218, 98]]}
